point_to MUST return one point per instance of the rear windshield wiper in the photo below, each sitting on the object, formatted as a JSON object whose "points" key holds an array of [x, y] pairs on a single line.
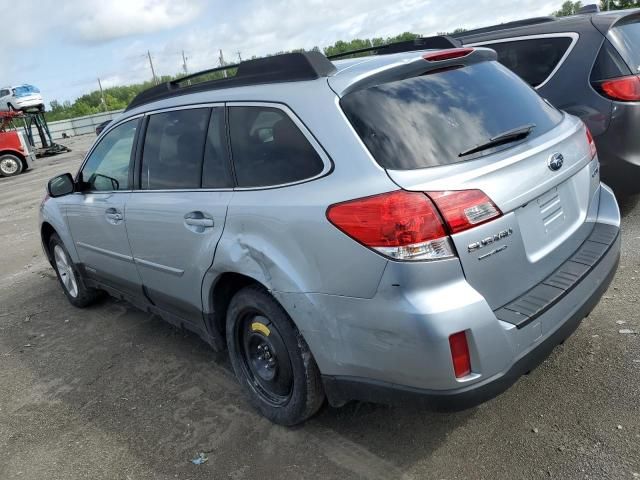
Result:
{"points": [[512, 135]]}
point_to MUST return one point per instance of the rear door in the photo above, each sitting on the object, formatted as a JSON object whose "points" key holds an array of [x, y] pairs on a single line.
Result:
{"points": [[421, 130], [177, 214]]}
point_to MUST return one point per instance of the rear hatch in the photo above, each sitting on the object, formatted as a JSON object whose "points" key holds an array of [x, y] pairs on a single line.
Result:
{"points": [[433, 133]]}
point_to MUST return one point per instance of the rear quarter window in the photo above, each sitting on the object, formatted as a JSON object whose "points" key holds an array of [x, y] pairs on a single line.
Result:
{"points": [[532, 59], [268, 148], [430, 120]]}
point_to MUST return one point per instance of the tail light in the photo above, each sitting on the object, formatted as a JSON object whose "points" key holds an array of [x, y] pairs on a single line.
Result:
{"points": [[460, 354], [447, 54], [407, 225], [464, 209], [592, 143], [625, 89], [401, 225]]}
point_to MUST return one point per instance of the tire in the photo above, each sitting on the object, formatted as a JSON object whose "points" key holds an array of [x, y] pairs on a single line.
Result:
{"points": [[10, 107], [70, 279], [10, 165], [270, 358]]}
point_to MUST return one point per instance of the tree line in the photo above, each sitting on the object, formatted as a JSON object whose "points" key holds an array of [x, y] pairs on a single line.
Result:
{"points": [[116, 98]]}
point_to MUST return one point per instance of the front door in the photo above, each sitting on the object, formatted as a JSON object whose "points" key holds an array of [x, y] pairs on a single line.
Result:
{"points": [[96, 215], [176, 216]]}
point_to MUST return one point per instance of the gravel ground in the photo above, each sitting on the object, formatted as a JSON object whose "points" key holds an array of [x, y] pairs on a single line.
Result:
{"points": [[114, 393]]}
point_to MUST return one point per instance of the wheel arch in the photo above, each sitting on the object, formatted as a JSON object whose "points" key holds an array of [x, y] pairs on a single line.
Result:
{"points": [[46, 231], [219, 296]]}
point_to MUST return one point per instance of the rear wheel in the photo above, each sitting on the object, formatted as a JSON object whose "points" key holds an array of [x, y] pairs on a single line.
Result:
{"points": [[71, 281], [271, 359], [10, 165]]}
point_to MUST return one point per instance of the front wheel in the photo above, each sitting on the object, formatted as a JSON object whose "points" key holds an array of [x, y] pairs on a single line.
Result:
{"points": [[271, 359], [10, 165], [78, 294]]}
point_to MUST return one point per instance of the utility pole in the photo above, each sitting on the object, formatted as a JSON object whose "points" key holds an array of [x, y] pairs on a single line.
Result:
{"points": [[222, 64], [184, 64], [153, 72], [239, 57], [102, 95]]}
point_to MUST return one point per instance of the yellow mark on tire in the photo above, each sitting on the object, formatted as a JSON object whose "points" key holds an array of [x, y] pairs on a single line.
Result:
{"points": [[260, 327]]}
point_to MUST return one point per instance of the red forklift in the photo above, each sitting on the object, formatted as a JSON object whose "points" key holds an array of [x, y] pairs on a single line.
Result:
{"points": [[18, 149]]}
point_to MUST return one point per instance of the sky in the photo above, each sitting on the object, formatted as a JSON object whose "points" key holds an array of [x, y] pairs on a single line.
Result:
{"points": [[63, 47]]}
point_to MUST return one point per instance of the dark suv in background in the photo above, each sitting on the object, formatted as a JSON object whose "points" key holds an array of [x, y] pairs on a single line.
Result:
{"points": [[588, 65]]}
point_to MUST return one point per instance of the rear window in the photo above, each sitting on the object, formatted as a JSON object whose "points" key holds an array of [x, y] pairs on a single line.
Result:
{"points": [[533, 59], [429, 120], [25, 90], [626, 37]]}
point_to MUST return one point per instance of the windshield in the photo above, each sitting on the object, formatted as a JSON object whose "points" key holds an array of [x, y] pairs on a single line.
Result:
{"points": [[25, 90], [626, 37], [430, 120]]}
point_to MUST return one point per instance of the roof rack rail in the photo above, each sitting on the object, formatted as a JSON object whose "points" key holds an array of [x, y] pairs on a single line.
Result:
{"points": [[420, 43], [505, 26], [287, 67]]}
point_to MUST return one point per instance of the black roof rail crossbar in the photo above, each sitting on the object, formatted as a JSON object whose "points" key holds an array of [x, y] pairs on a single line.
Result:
{"points": [[505, 26], [287, 67], [420, 43]]}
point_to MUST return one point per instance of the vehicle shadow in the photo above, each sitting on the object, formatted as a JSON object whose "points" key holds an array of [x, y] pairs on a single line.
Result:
{"points": [[162, 394], [627, 202]]}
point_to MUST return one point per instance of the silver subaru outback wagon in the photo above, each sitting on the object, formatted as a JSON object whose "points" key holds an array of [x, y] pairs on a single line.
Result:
{"points": [[413, 225]]}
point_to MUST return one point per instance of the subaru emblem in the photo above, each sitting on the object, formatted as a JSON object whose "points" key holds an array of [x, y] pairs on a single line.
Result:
{"points": [[555, 162]]}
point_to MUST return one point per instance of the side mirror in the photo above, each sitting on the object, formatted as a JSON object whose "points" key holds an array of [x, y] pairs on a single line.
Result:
{"points": [[61, 185]]}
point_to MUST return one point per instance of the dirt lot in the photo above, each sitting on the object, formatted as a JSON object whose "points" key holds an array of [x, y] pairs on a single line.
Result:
{"points": [[114, 393]]}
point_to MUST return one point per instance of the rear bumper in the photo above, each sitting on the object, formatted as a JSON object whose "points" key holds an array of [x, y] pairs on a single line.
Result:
{"points": [[394, 346], [582, 298], [619, 148]]}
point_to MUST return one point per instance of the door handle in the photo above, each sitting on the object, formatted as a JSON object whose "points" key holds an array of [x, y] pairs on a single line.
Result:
{"points": [[198, 222], [113, 215]]}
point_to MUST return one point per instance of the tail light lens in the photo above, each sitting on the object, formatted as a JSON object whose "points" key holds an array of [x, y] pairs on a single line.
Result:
{"points": [[625, 89], [401, 225], [460, 354], [592, 143], [464, 209], [447, 54]]}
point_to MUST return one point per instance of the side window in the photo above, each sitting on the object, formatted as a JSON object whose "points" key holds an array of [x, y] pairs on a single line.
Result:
{"points": [[533, 60], [269, 149], [173, 149], [216, 171], [107, 168]]}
